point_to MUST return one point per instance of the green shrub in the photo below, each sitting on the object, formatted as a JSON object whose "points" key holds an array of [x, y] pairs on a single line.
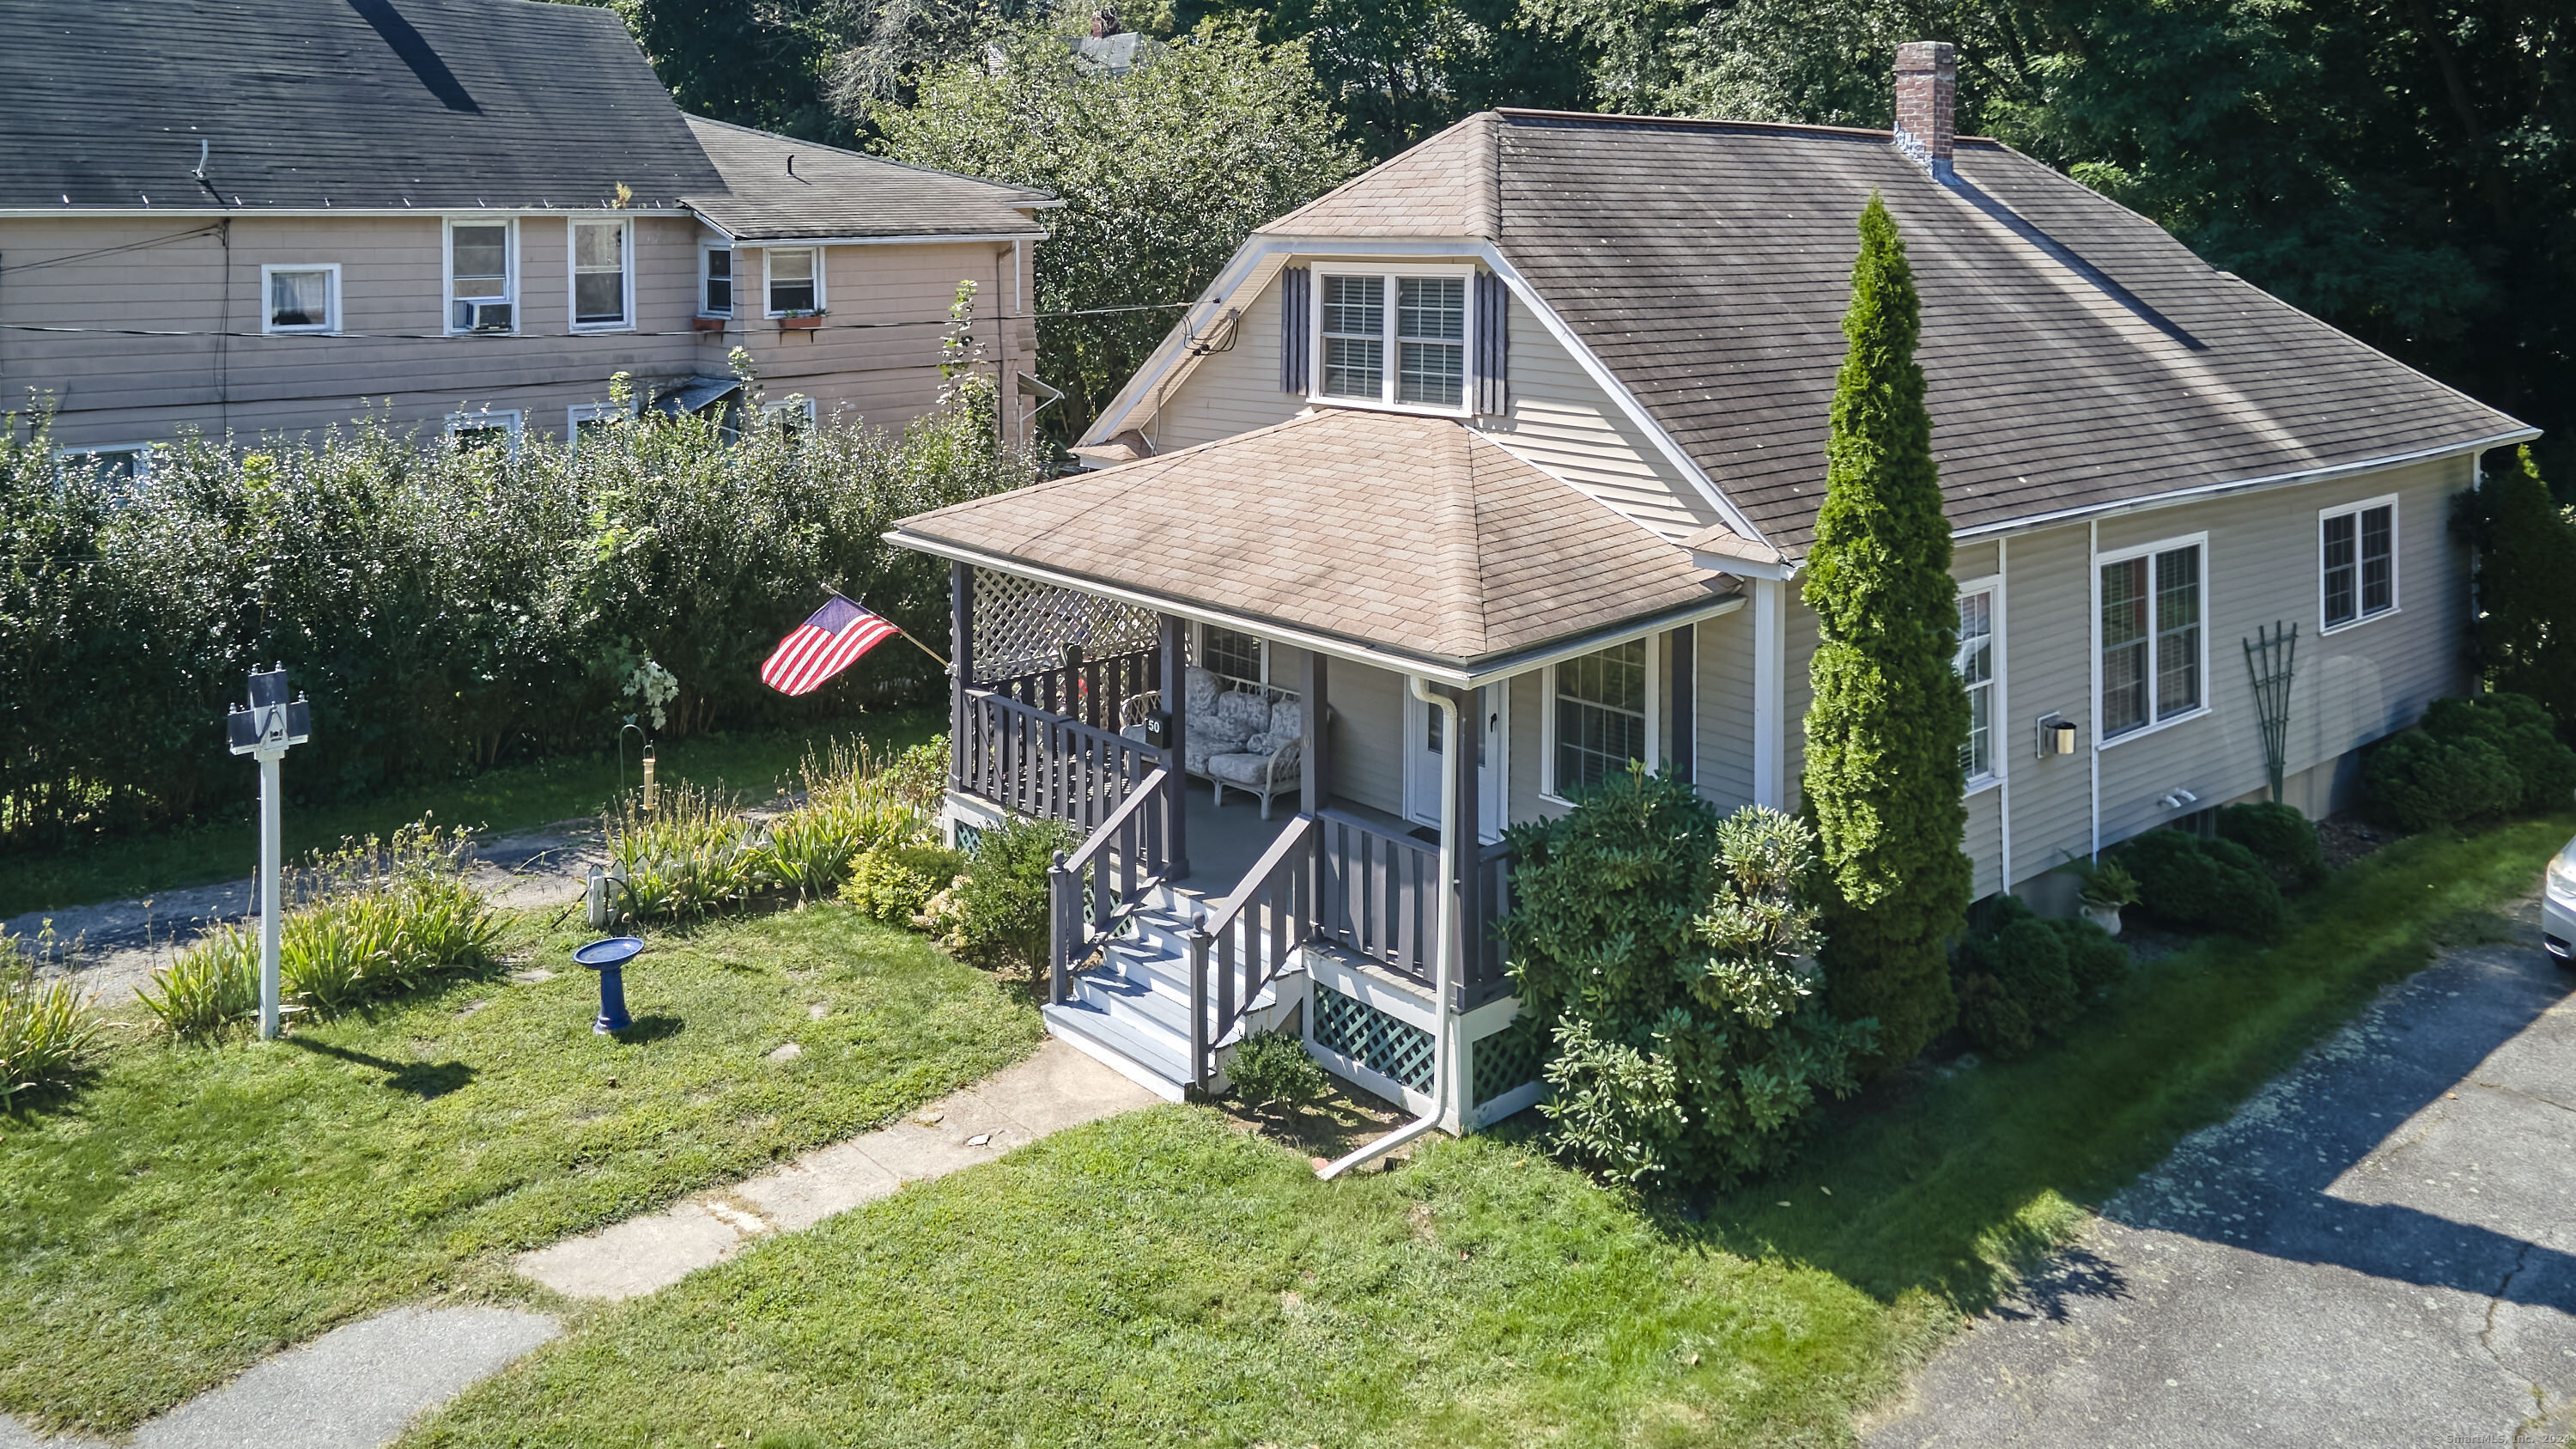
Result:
{"points": [[894, 883], [2417, 782], [1668, 958], [1272, 1069], [2094, 958], [45, 1030], [995, 915], [1992, 1019], [2278, 834], [2525, 624], [213, 984], [2014, 978], [2522, 731], [2212, 885]]}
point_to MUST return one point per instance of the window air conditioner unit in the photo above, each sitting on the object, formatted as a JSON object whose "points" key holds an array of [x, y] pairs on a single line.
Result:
{"points": [[483, 316]]}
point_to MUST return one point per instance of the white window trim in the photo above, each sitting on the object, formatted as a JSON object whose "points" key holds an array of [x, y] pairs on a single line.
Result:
{"points": [[626, 274], [1998, 758], [710, 244], [794, 402], [509, 420], [2154, 660], [1198, 650], [447, 298], [1389, 375], [1656, 643], [2396, 550], [820, 301], [143, 454], [330, 300], [580, 413]]}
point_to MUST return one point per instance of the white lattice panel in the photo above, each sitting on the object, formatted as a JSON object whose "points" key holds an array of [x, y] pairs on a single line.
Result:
{"points": [[1021, 626]]}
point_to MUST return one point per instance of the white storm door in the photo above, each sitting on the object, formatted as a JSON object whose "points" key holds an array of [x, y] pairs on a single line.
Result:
{"points": [[1426, 755]]}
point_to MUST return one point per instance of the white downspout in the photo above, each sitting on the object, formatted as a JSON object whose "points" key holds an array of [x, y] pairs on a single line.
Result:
{"points": [[1443, 936]]}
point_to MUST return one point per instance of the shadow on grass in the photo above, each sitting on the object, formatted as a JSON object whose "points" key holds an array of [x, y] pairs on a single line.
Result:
{"points": [[425, 1080], [1958, 1181], [656, 1027]]}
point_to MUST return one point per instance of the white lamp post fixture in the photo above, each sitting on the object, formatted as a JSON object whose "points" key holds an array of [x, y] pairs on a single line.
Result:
{"points": [[266, 729]]}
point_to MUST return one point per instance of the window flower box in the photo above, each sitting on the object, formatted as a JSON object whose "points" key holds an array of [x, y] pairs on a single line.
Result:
{"points": [[711, 324], [805, 320]]}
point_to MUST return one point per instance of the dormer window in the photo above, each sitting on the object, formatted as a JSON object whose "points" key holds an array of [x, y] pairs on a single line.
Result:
{"points": [[1398, 339]]}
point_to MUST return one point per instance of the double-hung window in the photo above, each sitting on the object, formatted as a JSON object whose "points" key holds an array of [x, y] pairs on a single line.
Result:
{"points": [[482, 277], [1393, 339], [1233, 656], [1600, 713], [2357, 561], [602, 273], [795, 281], [715, 281], [1975, 662], [485, 428], [300, 298], [2153, 658]]}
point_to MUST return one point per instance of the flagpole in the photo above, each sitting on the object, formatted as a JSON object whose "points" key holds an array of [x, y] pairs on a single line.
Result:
{"points": [[898, 628]]}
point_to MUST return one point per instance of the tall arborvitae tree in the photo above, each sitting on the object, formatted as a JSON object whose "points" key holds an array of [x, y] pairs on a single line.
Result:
{"points": [[1889, 717], [2526, 549]]}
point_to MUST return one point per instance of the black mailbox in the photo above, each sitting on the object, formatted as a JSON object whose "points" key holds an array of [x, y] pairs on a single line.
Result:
{"points": [[1158, 730]]}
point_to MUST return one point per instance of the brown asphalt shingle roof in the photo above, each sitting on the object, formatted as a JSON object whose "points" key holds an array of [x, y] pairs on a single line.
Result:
{"points": [[1409, 534], [835, 193], [2078, 355]]}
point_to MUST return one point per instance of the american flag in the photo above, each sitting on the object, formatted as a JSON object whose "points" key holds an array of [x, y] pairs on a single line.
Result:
{"points": [[823, 646]]}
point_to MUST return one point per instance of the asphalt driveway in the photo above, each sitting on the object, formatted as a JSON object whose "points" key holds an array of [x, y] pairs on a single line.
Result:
{"points": [[2378, 1249]]}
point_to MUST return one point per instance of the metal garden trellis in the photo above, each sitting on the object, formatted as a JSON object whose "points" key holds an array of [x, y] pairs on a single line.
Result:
{"points": [[2269, 658]]}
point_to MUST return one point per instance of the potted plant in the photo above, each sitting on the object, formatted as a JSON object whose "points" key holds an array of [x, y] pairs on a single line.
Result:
{"points": [[2107, 887], [802, 319]]}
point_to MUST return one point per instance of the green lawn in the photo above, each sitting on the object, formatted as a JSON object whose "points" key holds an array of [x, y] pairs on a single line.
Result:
{"points": [[510, 798], [193, 1209], [1163, 1279]]}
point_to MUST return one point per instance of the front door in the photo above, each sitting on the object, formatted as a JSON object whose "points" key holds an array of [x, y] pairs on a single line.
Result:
{"points": [[1426, 755]]}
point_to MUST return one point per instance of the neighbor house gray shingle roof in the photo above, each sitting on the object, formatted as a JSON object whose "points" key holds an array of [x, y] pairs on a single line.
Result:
{"points": [[2078, 355], [361, 103], [835, 193], [1410, 535]]}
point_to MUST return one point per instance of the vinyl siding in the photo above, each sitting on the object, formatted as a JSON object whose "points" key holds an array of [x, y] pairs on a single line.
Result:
{"points": [[886, 374], [1723, 710], [122, 389], [1368, 735], [2047, 670], [1230, 392]]}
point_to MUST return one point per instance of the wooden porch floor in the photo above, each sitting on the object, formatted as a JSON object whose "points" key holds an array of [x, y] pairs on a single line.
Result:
{"points": [[1226, 843]]}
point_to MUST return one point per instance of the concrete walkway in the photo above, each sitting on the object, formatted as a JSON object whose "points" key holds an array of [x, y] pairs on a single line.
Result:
{"points": [[2379, 1249], [353, 1388], [1057, 1088]]}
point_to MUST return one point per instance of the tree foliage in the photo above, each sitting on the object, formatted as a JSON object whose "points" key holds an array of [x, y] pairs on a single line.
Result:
{"points": [[1667, 958], [2526, 585], [1888, 716], [1163, 170]]}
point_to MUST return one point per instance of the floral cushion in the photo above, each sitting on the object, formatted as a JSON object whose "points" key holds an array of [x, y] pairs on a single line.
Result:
{"points": [[1254, 771], [1245, 708], [1217, 730], [1287, 720], [1199, 689]]}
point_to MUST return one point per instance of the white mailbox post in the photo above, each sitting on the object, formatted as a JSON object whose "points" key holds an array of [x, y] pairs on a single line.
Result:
{"points": [[265, 729]]}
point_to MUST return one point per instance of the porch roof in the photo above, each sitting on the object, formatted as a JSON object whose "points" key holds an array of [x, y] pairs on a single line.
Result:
{"points": [[1410, 536]]}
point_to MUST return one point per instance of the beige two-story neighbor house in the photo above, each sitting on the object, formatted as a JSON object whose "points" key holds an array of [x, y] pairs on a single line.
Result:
{"points": [[1519, 439], [256, 216]]}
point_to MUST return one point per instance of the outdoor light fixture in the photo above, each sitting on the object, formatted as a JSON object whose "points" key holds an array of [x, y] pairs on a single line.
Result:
{"points": [[266, 729], [2056, 735], [609, 959]]}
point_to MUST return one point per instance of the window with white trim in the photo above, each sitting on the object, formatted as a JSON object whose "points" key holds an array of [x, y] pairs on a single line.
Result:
{"points": [[2357, 561], [1233, 655], [482, 276], [603, 255], [795, 412], [584, 422], [1395, 339], [1975, 662], [2153, 647], [484, 428], [795, 280], [1600, 717], [715, 280], [303, 297], [116, 463]]}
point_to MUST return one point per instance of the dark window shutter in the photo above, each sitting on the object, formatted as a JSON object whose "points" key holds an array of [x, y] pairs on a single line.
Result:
{"points": [[1493, 345], [1296, 327]]}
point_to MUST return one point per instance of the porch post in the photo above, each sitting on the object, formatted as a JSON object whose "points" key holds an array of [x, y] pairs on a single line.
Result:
{"points": [[961, 650], [1468, 968], [1171, 643], [1312, 779]]}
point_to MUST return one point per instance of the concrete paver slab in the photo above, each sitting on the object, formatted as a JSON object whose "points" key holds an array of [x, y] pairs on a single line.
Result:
{"points": [[1059, 1088], [817, 1185], [636, 1256], [2378, 1249]]}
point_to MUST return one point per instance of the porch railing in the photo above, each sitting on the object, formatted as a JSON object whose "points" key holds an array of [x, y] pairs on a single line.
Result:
{"points": [[1028, 760], [1093, 692], [1249, 939], [1380, 893], [1486, 976], [1125, 857]]}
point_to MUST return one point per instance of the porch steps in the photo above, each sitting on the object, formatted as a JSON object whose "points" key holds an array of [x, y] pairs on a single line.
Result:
{"points": [[1132, 1011]]}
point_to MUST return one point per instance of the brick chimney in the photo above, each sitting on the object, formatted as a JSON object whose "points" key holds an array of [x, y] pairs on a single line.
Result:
{"points": [[1927, 99]]}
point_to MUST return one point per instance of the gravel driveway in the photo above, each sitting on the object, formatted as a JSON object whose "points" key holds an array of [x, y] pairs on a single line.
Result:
{"points": [[2378, 1249]]}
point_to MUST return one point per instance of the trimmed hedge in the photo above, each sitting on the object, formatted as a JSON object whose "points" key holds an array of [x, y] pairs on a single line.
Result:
{"points": [[2470, 758], [2205, 885], [2282, 837], [2020, 978], [446, 609]]}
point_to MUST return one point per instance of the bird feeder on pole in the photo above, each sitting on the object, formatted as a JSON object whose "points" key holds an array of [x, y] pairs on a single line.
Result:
{"points": [[266, 729]]}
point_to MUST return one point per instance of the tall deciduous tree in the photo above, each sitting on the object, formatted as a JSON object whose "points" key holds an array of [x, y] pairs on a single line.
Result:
{"points": [[1889, 716], [1164, 169]]}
